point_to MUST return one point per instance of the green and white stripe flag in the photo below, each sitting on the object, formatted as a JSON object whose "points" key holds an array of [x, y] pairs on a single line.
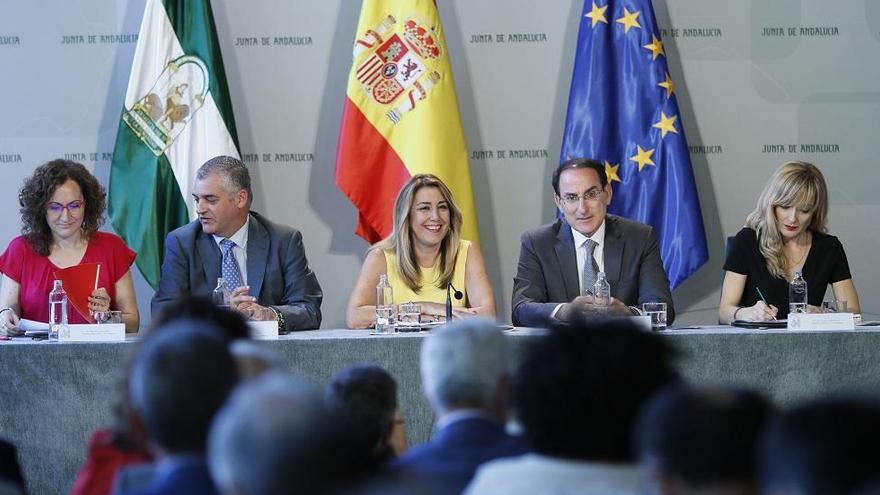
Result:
{"points": [[177, 115]]}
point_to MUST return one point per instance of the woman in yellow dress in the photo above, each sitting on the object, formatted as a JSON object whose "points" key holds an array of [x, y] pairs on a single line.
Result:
{"points": [[424, 255]]}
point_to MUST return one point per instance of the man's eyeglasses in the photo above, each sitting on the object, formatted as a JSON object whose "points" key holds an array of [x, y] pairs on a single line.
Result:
{"points": [[73, 208], [592, 195]]}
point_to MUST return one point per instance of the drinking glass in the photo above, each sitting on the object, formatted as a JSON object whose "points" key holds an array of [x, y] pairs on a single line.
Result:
{"points": [[408, 317], [657, 312]]}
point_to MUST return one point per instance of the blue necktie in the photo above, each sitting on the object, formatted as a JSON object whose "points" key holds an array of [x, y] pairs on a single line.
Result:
{"points": [[590, 266], [229, 266]]}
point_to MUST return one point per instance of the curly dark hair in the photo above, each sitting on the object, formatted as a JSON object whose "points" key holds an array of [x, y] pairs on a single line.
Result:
{"points": [[38, 188]]}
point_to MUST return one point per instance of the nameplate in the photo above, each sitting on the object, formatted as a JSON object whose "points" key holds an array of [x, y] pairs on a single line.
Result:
{"points": [[106, 332], [821, 321], [264, 330], [643, 322]]}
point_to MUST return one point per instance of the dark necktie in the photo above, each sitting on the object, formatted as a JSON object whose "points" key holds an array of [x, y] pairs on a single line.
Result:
{"points": [[590, 266]]}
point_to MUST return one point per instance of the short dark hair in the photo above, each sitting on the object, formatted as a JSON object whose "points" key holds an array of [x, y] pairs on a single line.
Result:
{"points": [[579, 388], [180, 379], [579, 163], [367, 395], [703, 435], [822, 446], [234, 173], [231, 325], [39, 187]]}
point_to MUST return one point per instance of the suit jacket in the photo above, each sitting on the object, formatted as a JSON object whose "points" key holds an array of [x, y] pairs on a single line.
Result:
{"points": [[278, 272], [192, 478], [456, 452], [547, 273]]}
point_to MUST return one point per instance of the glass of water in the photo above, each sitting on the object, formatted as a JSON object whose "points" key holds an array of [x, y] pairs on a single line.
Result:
{"points": [[408, 317], [108, 316], [657, 312]]}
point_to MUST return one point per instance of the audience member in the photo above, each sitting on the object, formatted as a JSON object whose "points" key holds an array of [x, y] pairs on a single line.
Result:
{"points": [[276, 436], [263, 263], [702, 440], [367, 395], [62, 208], [822, 447], [179, 380], [11, 479], [577, 394], [465, 370], [422, 257]]}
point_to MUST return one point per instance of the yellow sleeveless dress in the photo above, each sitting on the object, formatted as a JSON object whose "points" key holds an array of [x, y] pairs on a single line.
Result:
{"points": [[429, 278]]}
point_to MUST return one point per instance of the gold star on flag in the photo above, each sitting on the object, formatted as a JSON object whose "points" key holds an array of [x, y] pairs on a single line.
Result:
{"points": [[629, 20], [656, 47], [666, 124], [643, 158], [597, 14], [611, 172], [668, 85]]}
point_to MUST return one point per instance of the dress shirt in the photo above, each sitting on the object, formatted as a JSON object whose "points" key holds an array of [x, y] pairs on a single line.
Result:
{"points": [[240, 238]]}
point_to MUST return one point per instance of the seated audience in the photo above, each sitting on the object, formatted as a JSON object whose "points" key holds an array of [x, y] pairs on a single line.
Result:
{"points": [[423, 256], [62, 208], [367, 395], [822, 447], [11, 479], [577, 394], [276, 436], [702, 440], [179, 380], [465, 375], [786, 233]]}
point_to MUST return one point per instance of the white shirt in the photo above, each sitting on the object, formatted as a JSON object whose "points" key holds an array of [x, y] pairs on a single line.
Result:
{"points": [[240, 238], [535, 474], [598, 252]]}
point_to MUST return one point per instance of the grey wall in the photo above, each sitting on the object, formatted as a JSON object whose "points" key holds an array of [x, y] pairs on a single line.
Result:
{"points": [[741, 89]]}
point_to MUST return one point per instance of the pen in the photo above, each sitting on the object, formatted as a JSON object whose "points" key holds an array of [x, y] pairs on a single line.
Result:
{"points": [[761, 295]]}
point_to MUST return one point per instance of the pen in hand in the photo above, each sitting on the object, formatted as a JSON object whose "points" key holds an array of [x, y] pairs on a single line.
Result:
{"points": [[761, 295]]}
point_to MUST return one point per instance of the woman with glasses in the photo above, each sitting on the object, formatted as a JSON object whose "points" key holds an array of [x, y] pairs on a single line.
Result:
{"points": [[62, 207], [423, 256]]}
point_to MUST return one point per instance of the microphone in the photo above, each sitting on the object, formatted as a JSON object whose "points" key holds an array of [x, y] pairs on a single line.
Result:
{"points": [[458, 296]]}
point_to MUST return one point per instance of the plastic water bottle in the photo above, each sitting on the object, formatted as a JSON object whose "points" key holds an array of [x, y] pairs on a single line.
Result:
{"points": [[384, 306], [57, 311], [797, 294], [601, 291], [220, 296]]}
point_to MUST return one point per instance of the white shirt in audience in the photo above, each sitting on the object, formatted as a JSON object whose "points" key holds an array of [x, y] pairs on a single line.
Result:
{"points": [[535, 474]]}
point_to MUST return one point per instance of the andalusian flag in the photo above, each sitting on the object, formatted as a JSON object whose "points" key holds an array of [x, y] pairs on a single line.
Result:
{"points": [[177, 115], [401, 115]]}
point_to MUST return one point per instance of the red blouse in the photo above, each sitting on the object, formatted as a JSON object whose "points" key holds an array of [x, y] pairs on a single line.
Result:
{"points": [[34, 273]]}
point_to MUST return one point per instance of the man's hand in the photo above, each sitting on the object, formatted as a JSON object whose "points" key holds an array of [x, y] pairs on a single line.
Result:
{"points": [[586, 305]]}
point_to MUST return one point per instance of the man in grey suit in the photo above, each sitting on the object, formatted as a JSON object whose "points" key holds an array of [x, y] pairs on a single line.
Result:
{"points": [[263, 263], [558, 261]]}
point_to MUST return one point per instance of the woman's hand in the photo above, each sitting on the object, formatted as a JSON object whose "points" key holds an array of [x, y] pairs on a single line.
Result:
{"points": [[9, 323], [99, 301], [758, 312], [436, 309]]}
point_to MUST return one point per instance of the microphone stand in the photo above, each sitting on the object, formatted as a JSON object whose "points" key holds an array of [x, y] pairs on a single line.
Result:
{"points": [[458, 296]]}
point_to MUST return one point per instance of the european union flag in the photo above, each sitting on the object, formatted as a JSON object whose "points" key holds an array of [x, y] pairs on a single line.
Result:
{"points": [[622, 111]]}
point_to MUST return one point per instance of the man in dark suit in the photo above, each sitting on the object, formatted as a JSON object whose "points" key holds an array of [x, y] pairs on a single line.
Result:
{"points": [[465, 375], [558, 261], [263, 263]]}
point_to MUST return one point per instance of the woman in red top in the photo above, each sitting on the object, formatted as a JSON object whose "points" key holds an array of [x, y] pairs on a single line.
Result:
{"points": [[62, 207]]}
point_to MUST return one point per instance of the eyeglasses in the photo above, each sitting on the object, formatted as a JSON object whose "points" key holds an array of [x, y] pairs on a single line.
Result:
{"points": [[592, 195], [73, 208]]}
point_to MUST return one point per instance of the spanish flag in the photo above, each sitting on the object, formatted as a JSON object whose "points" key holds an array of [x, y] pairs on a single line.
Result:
{"points": [[401, 115]]}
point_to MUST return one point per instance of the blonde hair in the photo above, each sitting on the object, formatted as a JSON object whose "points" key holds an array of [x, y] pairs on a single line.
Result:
{"points": [[798, 184], [400, 241]]}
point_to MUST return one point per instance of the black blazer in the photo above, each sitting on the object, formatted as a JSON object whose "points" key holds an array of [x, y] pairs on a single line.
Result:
{"points": [[547, 272], [277, 270]]}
